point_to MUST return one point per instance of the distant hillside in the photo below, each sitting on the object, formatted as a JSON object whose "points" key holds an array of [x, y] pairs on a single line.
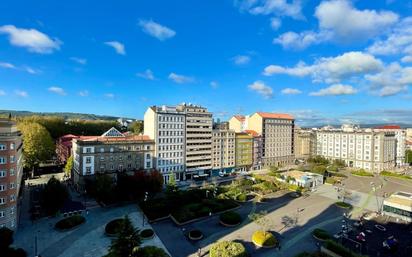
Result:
{"points": [[66, 115]]}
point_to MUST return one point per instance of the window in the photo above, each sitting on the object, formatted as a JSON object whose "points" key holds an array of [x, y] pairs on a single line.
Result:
{"points": [[1, 214], [12, 159], [12, 198], [88, 170], [11, 172], [11, 210], [2, 173], [12, 145], [2, 147], [88, 160], [2, 160], [111, 149], [102, 150], [12, 185], [88, 150], [2, 188]]}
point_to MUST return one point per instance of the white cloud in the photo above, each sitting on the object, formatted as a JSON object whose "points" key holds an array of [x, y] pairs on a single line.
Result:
{"points": [[337, 89], [31, 39], [399, 40], [84, 93], [7, 65], [241, 59], [81, 61], [156, 30], [407, 58], [109, 95], [275, 23], [349, 24], [262, 89], [390, 81], [331, 69], [214, 84], [291, 91], [21, 93], [269, 7], [147, 74], [117, 46], [180, 79], [57, 90], [293, 40], [2, 93]]}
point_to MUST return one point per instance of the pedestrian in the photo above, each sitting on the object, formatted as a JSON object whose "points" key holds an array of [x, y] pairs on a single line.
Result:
{"points": [[87, 212], [199, 252]]}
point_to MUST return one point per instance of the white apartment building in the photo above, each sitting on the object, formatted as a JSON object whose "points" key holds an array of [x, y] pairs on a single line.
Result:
{"points": [[400, 136], [166, 125], [363, 149], [223, 151]]}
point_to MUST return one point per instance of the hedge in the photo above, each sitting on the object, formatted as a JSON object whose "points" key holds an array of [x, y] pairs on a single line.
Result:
{"points": [[362, 173], [264, 239], [343, 205], [113, 227], [396, 175], [230, 218], [70, 222], [228, 249]]}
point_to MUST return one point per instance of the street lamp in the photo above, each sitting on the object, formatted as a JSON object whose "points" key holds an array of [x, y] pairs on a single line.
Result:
{"points": [[144, 200]]}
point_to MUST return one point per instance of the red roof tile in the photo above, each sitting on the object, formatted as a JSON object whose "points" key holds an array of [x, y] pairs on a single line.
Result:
{"points": [[269, 115], [240, 117], [388, 127], [114, 139], [252, 132]]}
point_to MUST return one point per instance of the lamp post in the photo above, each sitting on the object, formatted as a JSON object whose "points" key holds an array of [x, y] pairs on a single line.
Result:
{"points": [[144, 200]]}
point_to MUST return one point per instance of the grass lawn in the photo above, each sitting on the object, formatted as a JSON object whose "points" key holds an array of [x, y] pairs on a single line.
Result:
{"points": [[362, 173], [396, 175]]}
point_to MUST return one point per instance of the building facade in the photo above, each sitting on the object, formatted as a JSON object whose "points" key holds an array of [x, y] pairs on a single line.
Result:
{"points": [[223, 151], [277, 131], [11, 171], [362, 149], [400, 136], [257, 149], [64, 147], [244, 151], [167, 127], [110, 153], [238, 123], [305, 144], [399, 206]]}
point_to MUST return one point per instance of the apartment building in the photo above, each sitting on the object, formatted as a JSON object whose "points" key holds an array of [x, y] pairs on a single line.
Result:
{"points": [[305, 143], [359, 148], [244, 151], [400, 136], [223, 151], [238, 123], [64, 147], [257, 149], [166, 125], [11, 171], [277, 131], [198, 139], [110, 153]]}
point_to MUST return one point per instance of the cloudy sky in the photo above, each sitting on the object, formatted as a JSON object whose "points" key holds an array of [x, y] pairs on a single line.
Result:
{"points": [[322, 61]]}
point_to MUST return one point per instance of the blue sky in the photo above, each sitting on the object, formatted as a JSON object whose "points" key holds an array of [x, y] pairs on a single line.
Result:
{"points": [[322, 61]]}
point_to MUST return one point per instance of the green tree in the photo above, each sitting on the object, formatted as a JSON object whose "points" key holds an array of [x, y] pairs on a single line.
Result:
{"points": [[104, 188], [151, 251], [38, 146], [136, 127], [320, 169], [54, 195], [127, 242], [69, 165], [6, 239]]}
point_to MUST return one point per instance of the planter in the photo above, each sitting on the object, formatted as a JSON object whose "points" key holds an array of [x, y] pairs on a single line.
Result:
{"points": [[230, 219], [343, 205], [195, 235], [69, 223], [147, 234], [112, 227], [264, 239]]}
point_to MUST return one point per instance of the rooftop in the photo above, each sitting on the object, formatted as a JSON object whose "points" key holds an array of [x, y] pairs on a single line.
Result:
{"points": [[268, 115], [240, 117], [400, 198], [388, 127]]}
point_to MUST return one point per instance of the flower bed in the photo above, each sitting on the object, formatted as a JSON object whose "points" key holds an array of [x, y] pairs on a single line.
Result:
{"points": [[343, 205], [195, 235], [70, 222], [113, 227], [228, 249], [264, 239], [321, 234], [147, 234], [230, 219]]}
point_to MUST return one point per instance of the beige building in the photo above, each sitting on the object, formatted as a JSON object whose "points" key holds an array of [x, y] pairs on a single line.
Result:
{"points": [[409, 133], [277, 131], [166, 125], [359, 148], [238, 123], [305, 143], [11, 171], [244, 151], [198, 139], [223, 151], [110, 153]]}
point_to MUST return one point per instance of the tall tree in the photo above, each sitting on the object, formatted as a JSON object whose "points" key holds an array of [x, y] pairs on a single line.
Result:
{"points": [[38, 145], [127, 242], [136, 127], [54, 195], [69, 165]]}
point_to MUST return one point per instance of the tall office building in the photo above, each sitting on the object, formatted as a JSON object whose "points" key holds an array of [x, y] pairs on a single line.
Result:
{"points": [[11, 171], [400, 136], [305, 143], [166, 125], [223, 151], [199, 125], [359, 148]]}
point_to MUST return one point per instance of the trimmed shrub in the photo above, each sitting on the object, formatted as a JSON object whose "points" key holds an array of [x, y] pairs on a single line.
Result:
{"points": [[242, 197], [321, 234], [228, 249], [147, 233], [362, 173], [264, 239], [70, 222], [113, 227], [151, 251], [230, 218], [343, 205]]}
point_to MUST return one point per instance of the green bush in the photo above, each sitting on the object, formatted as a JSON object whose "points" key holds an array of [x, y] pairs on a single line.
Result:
{"points": [[264, 238], [228, 249], [147, 233], [343, 205], [321, 234], [70, 222], [151, 251], [396, 175], [230, 218], [362, 173], [113, 227], [331, 180], [242, 197]]}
